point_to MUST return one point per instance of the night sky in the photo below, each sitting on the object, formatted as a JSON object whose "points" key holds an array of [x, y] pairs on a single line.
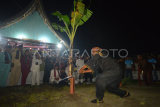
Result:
{"points": [[131, 25]]}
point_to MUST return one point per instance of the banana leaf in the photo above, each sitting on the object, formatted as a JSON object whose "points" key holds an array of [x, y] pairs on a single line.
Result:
{"points": [[58, 14], [58, 27], [80, 8], [61, 17], [66, 19], [75, 18], [85, 17]]}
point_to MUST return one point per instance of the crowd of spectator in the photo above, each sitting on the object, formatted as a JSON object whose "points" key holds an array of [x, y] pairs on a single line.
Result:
{"points": [[56, 68], [145, 64]]}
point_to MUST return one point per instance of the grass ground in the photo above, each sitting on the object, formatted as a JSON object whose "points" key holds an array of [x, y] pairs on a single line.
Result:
{"points": [[49, 96]]}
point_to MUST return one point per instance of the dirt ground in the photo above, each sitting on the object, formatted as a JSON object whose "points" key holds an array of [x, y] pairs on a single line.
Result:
{"points": [[50, 96]]}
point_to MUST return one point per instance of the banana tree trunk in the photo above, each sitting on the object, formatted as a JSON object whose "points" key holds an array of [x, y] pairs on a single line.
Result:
{"points": [[72, 79]]}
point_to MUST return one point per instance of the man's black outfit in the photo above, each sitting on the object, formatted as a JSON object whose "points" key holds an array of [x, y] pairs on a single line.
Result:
{"points": [[109, 78]]}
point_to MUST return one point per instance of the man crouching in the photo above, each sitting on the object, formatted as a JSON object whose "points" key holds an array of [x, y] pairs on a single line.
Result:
{"points": [[109, 78]]}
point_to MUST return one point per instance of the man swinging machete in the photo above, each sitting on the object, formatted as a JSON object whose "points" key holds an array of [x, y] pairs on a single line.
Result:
{"points": [[109, 78]]}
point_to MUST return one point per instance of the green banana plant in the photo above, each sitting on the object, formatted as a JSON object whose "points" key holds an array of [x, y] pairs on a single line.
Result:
{"points": [[79, 16]]}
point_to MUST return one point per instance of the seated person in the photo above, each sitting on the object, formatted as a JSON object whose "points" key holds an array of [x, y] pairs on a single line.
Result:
{"points": [[63, 76], [55, 75]]}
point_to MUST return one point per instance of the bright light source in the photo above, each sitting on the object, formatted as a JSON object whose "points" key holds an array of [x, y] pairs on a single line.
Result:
{"points": [[59, 45], [21, 36], [30, 48], [43, 39]]}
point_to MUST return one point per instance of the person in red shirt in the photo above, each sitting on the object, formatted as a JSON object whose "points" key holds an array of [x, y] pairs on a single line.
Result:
{"points": [[25, 67]]}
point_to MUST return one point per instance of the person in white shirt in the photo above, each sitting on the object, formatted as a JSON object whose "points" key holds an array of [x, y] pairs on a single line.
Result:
{"points": [[55, 75], [79, 64], [35, 69], [16, 66]]}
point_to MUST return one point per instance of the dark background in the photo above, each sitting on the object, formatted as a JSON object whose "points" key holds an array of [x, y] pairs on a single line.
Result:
{"points": [[131, 25]]}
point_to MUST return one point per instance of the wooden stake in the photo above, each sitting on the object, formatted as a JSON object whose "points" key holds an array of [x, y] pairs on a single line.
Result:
{"points": [[72, 85]]}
